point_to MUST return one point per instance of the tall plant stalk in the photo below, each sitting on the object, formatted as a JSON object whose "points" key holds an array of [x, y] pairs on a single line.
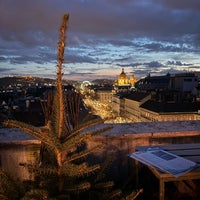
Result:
{"points": [[57, 135], [59, 86]]}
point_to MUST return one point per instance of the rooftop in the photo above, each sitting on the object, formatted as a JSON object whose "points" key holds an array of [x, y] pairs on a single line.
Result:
{"points": [[164, 107], [8, 135], [149, 127], [137, 96]]}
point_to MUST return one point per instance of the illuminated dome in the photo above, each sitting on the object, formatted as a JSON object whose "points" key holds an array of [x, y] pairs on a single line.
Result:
{"points": [[122, 79]]}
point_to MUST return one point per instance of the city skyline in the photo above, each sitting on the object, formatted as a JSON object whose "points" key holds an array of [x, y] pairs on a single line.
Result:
{"points": [[142, 36]]}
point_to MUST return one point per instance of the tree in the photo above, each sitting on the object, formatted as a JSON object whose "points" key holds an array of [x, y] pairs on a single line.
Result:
{"points": [[61, 136]]}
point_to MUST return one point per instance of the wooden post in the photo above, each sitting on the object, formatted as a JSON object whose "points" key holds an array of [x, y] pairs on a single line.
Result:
{"points": [[137, 173], [161, 189]]}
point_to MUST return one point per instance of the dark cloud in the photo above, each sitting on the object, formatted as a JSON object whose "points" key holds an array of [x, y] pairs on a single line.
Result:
{"points": [[154, 64], [173, 71], [4, 69], [19, 60], [121, 42], [129, 64], [71, 58], [2, 59], [162, 47], [80, 74], [181, 4], [178, 63], [194, 67], [100, 32], [124, 59], [102, 18], [25, 59]]}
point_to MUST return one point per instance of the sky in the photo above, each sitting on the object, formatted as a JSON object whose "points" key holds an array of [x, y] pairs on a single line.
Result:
{"points": [[103, 36]]}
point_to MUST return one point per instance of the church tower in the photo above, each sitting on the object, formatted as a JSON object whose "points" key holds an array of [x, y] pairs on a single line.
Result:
{"points": [[132, 81]]}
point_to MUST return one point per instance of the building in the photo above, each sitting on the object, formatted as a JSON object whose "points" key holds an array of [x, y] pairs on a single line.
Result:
{"points": [[163, 111], [104, 94], [132, 103], [118, 104], [185, 85], [171, 87], [160, 98], [123, 83], [153, 83], [184, 82]]}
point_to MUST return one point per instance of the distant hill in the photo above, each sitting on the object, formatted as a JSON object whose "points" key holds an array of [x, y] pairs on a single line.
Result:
{"points": [[103, 81], [27, 81], [24, 80]]}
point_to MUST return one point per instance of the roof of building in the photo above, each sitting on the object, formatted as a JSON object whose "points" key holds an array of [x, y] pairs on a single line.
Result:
{"points": [[8, 135], [187, 74], [156, 79], [149, 127], [13, 135], [163, 107], [105, 88], [153, 82], [137, 96]]}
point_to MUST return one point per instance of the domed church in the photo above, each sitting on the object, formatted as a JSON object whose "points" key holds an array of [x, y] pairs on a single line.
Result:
{"points": [[122, 78], [123, 82]]}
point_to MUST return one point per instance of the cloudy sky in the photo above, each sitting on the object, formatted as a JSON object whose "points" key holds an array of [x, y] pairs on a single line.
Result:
{"points": [[143, 36]]}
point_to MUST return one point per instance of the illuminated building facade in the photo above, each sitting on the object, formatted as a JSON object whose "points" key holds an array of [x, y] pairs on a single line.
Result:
{"points": [[123, 83]]}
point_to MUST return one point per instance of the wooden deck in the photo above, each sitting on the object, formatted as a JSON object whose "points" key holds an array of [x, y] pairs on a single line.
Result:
{"points": [[188, 151]]}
